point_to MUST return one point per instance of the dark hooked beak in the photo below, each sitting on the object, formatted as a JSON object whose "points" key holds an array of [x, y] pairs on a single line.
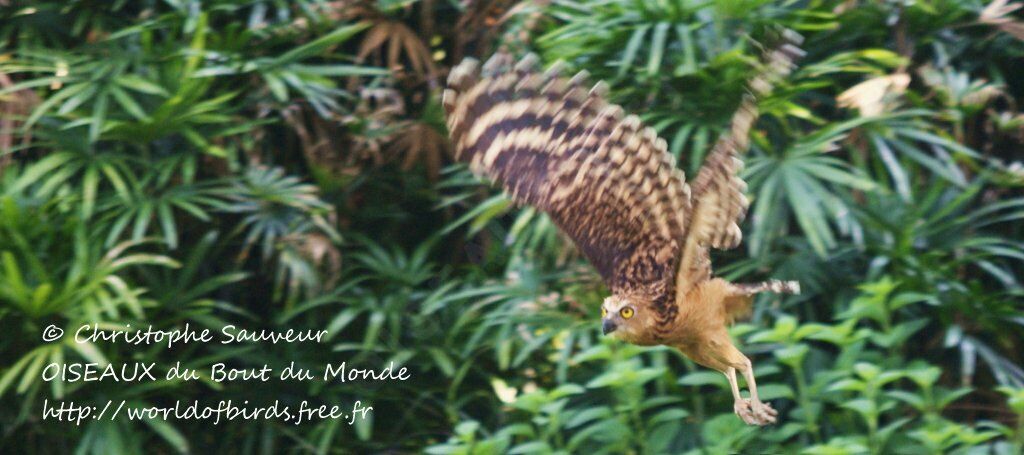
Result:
{"points": [[607, 326]]}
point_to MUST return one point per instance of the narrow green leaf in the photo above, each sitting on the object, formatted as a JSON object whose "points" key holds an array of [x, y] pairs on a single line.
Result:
{"points": [[658, 39]]}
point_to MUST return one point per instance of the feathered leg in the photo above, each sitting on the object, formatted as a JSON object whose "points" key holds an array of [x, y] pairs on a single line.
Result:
{"points": [[740, 405], [752, 410], [763, 412], [716, 351]]}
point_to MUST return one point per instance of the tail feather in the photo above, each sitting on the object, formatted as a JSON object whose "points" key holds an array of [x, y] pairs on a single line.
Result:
{"points": [[738, 304], [776, 286]]}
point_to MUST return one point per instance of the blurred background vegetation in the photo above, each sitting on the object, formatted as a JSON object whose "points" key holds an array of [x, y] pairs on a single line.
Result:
{"points": [[284, 164]]}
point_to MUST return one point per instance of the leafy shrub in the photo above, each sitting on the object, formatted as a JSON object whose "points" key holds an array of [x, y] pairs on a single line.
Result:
{"points": [[279, 165]]}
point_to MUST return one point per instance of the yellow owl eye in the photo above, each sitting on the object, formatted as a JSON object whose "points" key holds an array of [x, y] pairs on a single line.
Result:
{"points": [[626, 312], [604, 312]]}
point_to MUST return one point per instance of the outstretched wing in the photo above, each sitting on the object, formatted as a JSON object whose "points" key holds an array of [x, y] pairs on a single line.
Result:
{"points": [[604, 179], [719, 204]]}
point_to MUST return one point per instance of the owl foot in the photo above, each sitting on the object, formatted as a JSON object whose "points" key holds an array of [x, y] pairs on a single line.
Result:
{"points": [[755, 412]]}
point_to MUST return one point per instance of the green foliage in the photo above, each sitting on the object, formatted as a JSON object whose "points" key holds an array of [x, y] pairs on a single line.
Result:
{"points": [[276, 165]]}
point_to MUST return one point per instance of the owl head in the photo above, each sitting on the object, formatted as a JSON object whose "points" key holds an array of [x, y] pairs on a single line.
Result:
{"points": [[626, 318]]}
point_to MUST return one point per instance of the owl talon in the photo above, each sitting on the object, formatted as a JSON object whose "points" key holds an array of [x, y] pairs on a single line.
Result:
{"points": [[764, 413], [743, 410], [755, 412]]}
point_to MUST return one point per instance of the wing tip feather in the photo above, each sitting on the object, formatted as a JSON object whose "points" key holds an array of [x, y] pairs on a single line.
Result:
{"points": [[464, 74]]}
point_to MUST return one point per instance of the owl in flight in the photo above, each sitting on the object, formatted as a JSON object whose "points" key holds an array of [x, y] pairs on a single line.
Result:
{"points": [[611, 185]]}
